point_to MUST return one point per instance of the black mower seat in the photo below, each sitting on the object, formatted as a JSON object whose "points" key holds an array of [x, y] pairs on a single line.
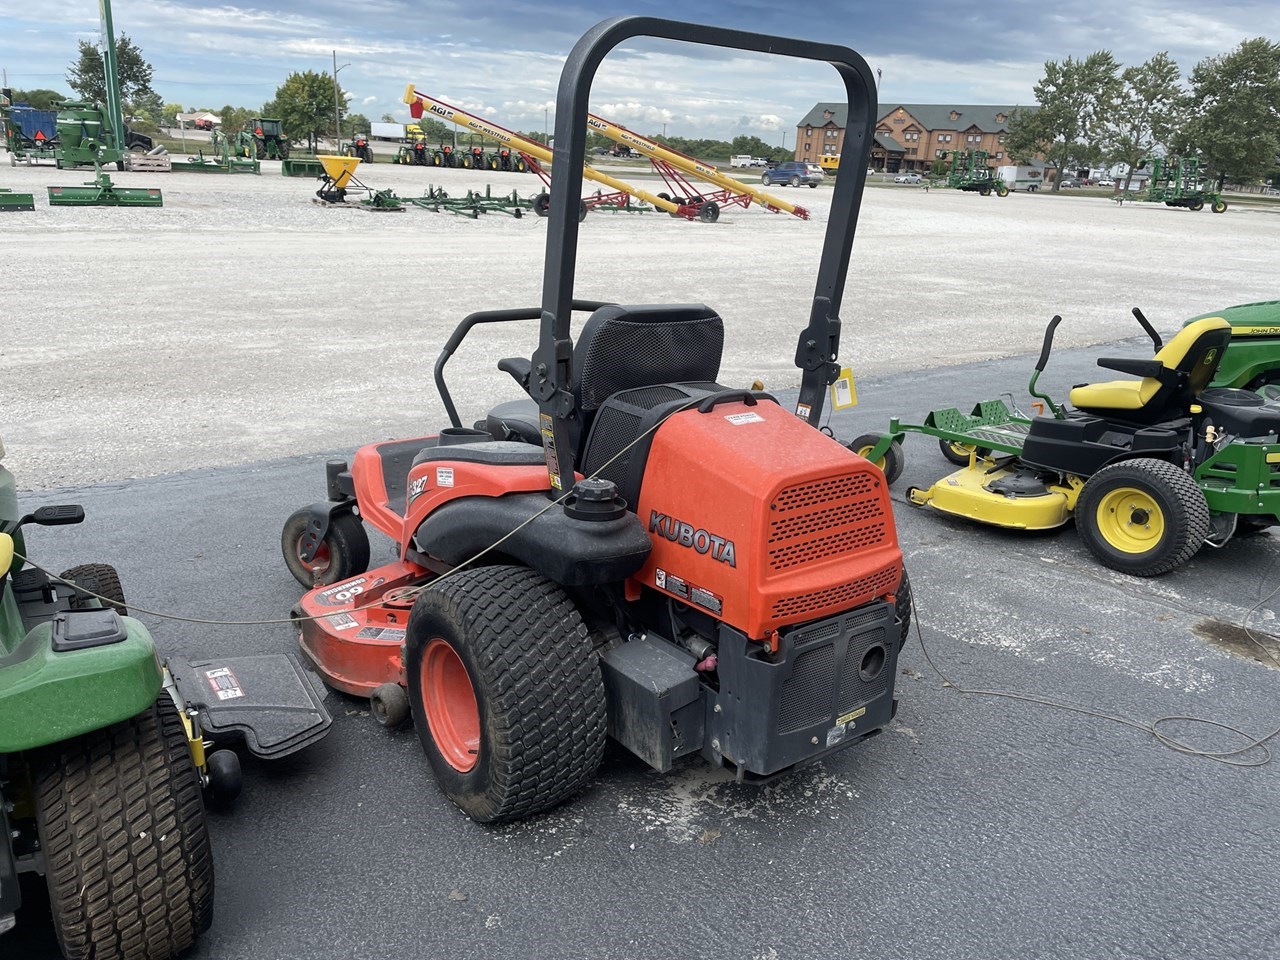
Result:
{"points": [[1170, 381], [513, 420]]}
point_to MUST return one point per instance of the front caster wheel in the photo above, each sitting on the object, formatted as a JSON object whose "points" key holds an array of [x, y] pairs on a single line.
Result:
{"points": [[343, 553], [892, 460], [225, 779], [389, 705]]}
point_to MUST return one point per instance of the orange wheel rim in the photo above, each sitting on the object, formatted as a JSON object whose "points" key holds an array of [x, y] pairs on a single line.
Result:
{"points": [[452, 712], [320, 562]]}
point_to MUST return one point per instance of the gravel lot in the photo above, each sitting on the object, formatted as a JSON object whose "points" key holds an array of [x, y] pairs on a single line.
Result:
{"points": [[242, 322]]}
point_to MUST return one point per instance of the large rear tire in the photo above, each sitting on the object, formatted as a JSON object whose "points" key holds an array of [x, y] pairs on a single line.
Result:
{"points": [[1143, 516], [126, 847], [344, 552], [506, 692]]}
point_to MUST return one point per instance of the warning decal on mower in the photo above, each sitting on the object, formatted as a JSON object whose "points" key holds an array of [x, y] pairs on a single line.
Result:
{"points": [[737, 419], [341, 621], [444, 476], [224, 683], [705, 598], [380, 633]]}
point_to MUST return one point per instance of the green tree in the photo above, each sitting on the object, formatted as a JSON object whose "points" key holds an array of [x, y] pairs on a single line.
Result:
{"points": [[1235, 112], [170, 114], [354, 123], [749, 146], [304, 102], [148, 106], [87, 78], [40, 99], [234, 119], [389, 118], [1145, 113], [1075, 98]]}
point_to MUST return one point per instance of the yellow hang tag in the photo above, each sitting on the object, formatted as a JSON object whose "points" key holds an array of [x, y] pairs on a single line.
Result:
{"points": [[843, 391]]}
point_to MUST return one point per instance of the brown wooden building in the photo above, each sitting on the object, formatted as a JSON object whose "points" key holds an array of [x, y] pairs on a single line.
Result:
{"points": [[909, 136]]}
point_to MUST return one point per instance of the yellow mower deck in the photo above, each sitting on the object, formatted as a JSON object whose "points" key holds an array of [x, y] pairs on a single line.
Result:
{"points": [[965, 493]]}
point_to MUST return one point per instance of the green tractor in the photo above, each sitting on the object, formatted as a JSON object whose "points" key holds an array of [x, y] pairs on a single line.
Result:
{"points": [[106, 753], [266, 139]]}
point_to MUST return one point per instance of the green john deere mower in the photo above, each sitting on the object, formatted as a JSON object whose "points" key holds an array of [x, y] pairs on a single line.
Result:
{"points": [[107, 753], [1150, 468]]}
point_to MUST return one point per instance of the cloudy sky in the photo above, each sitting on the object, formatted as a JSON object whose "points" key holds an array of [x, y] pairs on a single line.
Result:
{"points": [[502, 57]]}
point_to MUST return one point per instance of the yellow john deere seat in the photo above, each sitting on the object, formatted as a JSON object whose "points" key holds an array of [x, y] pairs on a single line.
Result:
{"points": [[1171, 380]]}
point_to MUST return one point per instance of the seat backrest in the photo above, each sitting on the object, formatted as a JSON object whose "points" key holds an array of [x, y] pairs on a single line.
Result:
{"points": [[1196, 352], [625, 347]]}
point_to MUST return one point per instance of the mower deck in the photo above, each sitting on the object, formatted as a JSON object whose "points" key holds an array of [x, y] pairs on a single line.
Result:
{"points": [[351, 632]]}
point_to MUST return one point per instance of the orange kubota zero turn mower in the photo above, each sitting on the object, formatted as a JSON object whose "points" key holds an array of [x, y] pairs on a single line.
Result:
{"points": [[636, 551]]}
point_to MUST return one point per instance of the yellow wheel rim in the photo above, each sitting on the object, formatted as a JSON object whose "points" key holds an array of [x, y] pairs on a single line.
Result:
{"points": [[1130, 520], [864, 453]]}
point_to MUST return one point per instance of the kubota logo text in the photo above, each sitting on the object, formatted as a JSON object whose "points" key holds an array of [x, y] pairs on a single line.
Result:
{"points": [[685, 534]]}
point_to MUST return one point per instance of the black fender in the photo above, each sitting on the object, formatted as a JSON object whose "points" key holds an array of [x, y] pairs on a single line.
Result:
{"points": [[568, 551]]}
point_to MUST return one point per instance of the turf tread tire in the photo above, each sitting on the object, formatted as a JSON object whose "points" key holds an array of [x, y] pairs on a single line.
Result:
{"points": [[538, 687], [102, 579], [122, 826], [1186, 515]]}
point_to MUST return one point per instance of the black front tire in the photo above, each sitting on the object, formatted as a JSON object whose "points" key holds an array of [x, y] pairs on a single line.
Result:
{"points": [[100, 578], [537, 686], [389, 705], [892, 461], [344, 552], [1143, 516], [126, 846], [958, 453], [542, 204]]}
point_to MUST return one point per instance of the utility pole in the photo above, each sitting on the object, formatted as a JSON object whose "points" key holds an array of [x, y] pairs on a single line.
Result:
{"points": [[337, 116]]}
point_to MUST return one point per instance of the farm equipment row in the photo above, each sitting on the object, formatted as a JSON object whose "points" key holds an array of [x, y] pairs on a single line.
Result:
{"points": [[684, 199], [472, 157]]}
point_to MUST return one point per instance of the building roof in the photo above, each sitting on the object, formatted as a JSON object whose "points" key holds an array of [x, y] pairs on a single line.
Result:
{"points": [[932, 116], [937, 116], [888, 144]]}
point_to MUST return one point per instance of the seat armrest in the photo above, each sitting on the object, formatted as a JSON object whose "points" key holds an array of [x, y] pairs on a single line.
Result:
{"points": [[1139, 368], [519, 368]]}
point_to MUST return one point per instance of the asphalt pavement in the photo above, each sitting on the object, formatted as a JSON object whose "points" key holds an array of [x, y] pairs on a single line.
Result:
{"points": [[975, 827]]}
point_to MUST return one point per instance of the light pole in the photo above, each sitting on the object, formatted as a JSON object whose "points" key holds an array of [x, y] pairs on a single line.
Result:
{"points": [[337, 116]]}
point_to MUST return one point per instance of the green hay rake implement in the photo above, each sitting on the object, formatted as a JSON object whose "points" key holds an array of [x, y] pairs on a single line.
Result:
{"points": [[12, 202], [473, 204], [969, 172]]}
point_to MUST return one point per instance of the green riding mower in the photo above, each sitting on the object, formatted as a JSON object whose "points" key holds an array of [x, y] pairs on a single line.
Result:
{"points": [[1150, 468], [106, 753]]}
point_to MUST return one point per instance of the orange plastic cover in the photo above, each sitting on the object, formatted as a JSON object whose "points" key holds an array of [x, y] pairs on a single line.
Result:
{"points": [[763, 521]]}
